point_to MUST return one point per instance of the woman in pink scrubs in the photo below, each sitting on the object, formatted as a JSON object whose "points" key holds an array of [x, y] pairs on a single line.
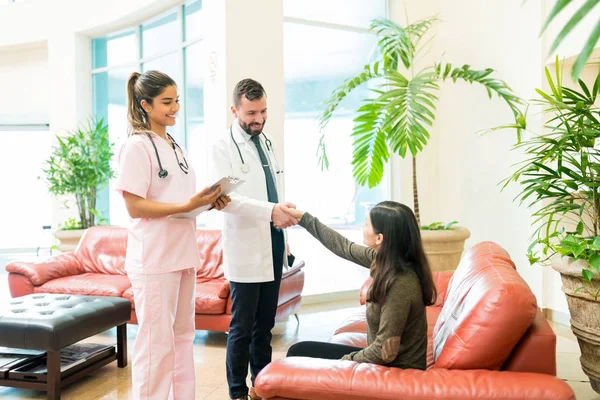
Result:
{"points": [[156, 181]]}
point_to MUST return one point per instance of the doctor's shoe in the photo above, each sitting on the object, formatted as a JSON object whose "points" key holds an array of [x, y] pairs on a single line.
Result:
{"points": [[242, 398], [253, 395]]}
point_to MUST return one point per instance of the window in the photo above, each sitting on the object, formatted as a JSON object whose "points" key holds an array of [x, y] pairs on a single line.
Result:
{"points": [[318, 57], [28, 207], [324, 44], [171, 43], [351, 13]]}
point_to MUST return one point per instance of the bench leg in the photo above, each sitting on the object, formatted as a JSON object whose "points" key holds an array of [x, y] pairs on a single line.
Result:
{"points": [[53, 366], [122, 346]]}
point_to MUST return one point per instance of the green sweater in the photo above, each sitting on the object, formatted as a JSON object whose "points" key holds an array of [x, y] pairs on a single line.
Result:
{"points": [[396, 329]]}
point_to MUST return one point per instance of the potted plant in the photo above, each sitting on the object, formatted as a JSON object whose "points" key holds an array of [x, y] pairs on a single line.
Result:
{"points": [[560, 179], [78, 165], [398, 116]]}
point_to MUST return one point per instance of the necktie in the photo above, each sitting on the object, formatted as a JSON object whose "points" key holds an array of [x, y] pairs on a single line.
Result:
{"points": [[271, 190]]}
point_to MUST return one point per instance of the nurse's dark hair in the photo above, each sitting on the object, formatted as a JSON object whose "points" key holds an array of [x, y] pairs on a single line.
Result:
{"points": [[140, 87], [250, 88]]}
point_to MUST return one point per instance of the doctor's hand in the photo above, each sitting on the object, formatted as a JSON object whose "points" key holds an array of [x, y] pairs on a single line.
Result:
{"points": [[292, 212], [208, 195], [282, 219], [222, 202]]}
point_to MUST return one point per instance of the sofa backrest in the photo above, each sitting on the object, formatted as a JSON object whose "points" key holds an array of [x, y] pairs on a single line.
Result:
{"points": [[102, 250], [487, 310], [211, 254]]}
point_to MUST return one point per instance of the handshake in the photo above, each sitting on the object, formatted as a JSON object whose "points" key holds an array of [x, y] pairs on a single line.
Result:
{"points": [[285, 215]]}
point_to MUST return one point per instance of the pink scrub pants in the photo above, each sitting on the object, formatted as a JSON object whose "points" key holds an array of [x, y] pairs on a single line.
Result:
{"points": [[163, 356]]}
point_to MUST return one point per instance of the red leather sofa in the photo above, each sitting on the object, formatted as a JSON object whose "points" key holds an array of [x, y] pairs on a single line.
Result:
{"points": [[487, 340], [96, 268]]}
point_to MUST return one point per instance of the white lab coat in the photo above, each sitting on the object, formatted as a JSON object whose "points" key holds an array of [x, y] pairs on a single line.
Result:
{"points": [[247, 253]]}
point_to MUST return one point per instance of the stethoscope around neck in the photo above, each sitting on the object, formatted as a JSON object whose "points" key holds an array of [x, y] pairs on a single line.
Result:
{"points": [[163, 173], [245, 167]]}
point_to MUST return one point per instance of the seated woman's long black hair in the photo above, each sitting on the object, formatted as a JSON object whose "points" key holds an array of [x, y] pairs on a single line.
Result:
{"points": [[401, 251]]}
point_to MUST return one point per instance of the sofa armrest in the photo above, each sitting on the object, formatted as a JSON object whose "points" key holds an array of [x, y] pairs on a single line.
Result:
{"points": [[298, 265], [41, 272], [363, 291], [441, 280], [317, 379], [225, 289]]}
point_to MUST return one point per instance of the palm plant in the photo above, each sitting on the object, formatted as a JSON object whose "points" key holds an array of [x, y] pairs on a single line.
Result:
{"points": [[560, 177], [584, 9], [400, 113]]}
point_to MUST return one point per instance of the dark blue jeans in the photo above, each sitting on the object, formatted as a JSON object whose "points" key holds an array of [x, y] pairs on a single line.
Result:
{"points": [[253, 310]]}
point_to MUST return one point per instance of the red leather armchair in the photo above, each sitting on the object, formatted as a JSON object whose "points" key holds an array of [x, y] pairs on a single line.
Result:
{"points": [[96, 268], [487, 340]]}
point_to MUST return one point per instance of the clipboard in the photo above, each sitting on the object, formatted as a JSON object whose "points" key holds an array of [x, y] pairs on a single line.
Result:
{"points": [[228, 185]]}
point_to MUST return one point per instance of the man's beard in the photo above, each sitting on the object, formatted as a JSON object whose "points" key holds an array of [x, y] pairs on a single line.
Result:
{"points": [[252, 132]]}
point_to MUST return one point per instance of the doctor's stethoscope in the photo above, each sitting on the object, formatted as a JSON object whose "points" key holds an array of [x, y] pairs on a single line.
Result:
{"points": [[245, 167], [163, 173]]}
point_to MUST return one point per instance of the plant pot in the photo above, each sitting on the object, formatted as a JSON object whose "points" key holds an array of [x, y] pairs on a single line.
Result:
{"points": [[444, 248], [585, 315], [69, 239]]}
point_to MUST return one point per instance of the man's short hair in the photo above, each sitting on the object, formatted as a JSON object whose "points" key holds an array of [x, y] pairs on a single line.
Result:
{"points": [[250, 88]]}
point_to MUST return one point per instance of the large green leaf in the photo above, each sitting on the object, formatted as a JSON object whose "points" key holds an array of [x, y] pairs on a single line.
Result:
{"points": [[413, 104], [584, 9], [370, 72], [370, 148]]}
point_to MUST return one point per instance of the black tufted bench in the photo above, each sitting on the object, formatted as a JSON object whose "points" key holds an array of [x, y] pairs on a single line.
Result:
{"points": [[51, 322]]}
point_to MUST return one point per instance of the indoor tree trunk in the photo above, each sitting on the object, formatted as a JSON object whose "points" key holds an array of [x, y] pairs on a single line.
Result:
{"points": [[415, 191]]}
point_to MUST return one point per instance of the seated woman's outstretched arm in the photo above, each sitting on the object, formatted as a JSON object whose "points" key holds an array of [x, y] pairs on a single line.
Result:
{"points": [[335, 242]]}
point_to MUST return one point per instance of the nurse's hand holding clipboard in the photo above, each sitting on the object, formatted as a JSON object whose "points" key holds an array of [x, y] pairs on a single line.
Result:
{"points": [[138, 207], [209, 195]]}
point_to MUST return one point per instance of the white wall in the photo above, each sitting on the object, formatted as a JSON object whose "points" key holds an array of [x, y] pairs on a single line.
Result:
{"points": [[460, 170], [25, 84], [503, 36]]}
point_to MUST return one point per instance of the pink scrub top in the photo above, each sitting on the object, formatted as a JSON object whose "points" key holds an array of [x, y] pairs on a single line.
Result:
{"points": [[157, 245]]}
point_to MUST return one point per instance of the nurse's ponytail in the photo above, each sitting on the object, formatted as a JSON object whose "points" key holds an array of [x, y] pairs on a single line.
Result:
{"points": [[140, 87]]}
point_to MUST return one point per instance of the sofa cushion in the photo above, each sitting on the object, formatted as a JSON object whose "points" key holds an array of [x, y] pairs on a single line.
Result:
{"points": [[211, 254], [487, 310], [356, 321], [87, 284], [441, 279], [128, 294], [102, 250], [208, 300], [355, 339]]}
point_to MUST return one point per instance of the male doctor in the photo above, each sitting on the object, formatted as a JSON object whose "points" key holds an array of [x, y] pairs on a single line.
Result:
{"points": [[254, 244]]}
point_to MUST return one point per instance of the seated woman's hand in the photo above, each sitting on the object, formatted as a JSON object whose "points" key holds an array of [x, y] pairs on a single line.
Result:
{"points": [[292, 212]]}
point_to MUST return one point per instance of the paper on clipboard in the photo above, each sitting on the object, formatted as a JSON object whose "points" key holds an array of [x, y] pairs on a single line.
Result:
{"points": [[228, 185]]}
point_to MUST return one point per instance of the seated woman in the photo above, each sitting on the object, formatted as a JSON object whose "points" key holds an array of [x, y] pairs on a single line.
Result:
{"points": [[401, 288]]}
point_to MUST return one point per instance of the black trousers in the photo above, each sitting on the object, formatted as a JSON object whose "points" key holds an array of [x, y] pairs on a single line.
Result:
{"points": [[329, 351], [253, 310]]}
